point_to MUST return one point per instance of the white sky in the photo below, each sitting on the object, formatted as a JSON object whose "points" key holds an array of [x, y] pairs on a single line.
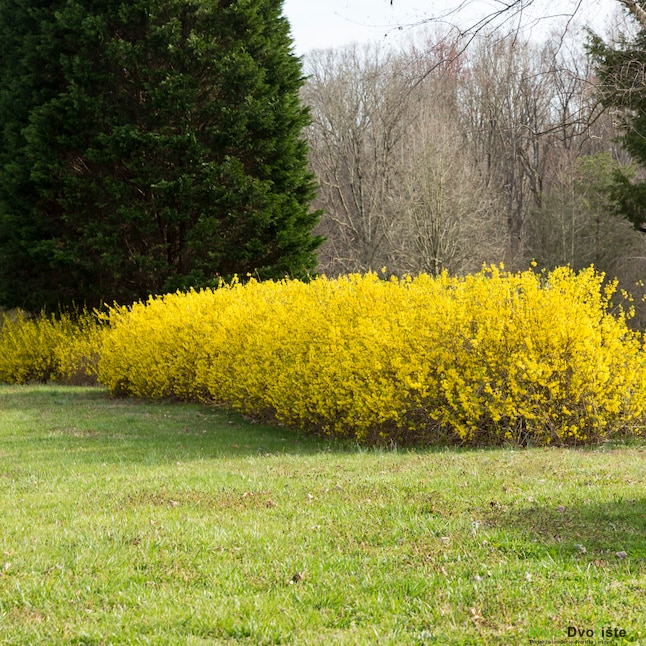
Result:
{"points": [[318, 24]]}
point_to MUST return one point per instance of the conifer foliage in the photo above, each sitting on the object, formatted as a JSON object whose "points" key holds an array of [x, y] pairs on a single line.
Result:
{"points": [[621, 67], [147, 146]]}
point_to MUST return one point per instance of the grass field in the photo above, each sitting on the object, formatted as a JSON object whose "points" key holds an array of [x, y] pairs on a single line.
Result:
{"points": [[123, 522]]}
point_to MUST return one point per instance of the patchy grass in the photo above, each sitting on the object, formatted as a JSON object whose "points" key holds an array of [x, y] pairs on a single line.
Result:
{"points": [[124, 522]]}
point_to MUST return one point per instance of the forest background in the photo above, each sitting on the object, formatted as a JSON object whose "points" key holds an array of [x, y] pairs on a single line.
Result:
{"points": [[431, 155]]}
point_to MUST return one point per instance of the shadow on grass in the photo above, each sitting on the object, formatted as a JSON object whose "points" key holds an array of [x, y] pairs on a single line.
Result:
{"points": [[595, 532], [90, 417], [88, 420]]}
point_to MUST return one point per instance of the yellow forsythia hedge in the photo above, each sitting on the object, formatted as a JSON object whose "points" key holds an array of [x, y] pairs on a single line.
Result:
{"points": [[64, 348], [481, 359], [485, 358]]}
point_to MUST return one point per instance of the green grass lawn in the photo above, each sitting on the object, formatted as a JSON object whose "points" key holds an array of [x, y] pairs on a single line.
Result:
{"points": [[124, 522]]}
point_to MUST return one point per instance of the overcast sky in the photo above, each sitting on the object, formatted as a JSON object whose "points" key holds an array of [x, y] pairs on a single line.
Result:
{"points": [[320, 24]]}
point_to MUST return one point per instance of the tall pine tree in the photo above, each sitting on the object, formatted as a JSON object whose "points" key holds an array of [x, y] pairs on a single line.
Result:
{"points": [[147, 146], [621, 68]]}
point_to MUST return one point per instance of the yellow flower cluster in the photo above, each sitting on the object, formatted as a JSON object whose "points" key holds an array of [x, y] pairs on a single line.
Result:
{"points": [[62, 348], [486, 358]]}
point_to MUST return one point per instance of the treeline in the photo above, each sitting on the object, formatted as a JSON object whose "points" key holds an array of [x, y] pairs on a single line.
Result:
{"points": [[431, 158]]}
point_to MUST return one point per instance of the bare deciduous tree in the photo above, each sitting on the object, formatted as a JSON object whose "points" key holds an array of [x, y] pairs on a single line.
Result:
{"points": [[450, 217], [397, 184], [528, 110], [358, 102], [432, 159]]}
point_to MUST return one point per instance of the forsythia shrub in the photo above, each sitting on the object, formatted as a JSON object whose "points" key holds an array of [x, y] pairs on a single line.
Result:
{"points": [[153, 348], [482, 359], [63, 348], [486, 358]]}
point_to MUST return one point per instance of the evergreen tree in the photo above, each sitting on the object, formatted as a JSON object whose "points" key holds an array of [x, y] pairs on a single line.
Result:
{"points": [[622, 71], [147, 146]]}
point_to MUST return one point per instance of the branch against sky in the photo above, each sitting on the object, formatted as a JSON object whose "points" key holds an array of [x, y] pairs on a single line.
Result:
{"points": [[636, 10], [471, 17]]}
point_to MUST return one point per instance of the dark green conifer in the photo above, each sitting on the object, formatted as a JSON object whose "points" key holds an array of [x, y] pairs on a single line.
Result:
{"points": [[622, 71], [147, 146]]}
